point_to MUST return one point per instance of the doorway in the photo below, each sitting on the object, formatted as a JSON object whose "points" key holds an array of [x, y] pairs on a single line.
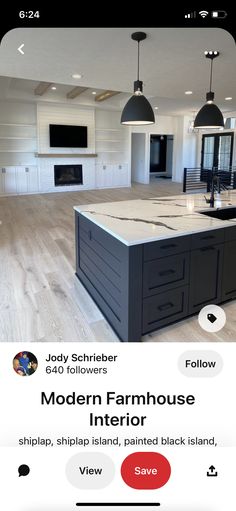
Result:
{"points": [[161, 153]]}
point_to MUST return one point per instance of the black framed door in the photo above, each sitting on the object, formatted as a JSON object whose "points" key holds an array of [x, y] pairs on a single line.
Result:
{"points": [[217, 151]]}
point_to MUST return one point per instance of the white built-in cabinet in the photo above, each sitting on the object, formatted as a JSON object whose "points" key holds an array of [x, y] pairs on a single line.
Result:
{"points": [[20, 141], [109, 175], [18, 180], [8, 180]]}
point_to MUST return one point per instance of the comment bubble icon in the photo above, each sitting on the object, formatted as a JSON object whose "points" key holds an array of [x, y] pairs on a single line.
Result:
{"points": [[23, 470]]}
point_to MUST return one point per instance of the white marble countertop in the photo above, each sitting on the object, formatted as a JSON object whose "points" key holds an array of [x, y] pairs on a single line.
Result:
{"points": [[145, 220]]}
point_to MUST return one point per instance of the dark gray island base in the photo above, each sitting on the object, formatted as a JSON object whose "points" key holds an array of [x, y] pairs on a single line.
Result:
{"points": [[143, 287]]}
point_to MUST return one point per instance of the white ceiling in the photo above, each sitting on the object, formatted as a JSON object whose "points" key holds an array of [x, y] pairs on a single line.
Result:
{"points": [[171, 62]]}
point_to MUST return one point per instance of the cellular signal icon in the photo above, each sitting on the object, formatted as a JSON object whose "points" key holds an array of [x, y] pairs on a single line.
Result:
{"points": [[203, 14], [191, 15]]}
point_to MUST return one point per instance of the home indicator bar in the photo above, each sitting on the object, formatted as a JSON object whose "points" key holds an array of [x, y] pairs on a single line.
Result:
{"points": [[149, 504]]}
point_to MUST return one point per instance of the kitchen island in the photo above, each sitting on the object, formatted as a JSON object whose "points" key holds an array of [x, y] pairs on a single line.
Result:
{"points": [[151, 262]]}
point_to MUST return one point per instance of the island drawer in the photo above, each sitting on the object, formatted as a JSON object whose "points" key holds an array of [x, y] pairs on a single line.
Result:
{"points": [[164, 308], [165, 273], [206, 238], [166, 247]]}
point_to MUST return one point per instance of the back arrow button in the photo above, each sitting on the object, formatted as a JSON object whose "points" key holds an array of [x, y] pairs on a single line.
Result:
{"points": [[20, 49]]}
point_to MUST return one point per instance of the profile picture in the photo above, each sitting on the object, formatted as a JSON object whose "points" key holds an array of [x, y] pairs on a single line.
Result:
{"points": [[25, 363]]}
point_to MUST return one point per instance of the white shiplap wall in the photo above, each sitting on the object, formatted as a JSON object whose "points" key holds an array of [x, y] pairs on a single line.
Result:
{"points": [[72, 115], [48, 113]]}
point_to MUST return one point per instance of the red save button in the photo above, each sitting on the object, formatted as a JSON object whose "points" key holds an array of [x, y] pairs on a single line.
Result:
{"points": [[145, 470]]}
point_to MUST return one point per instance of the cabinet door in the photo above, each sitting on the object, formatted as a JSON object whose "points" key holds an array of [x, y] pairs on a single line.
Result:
{"points": [[9, 180], [21, 180], [205, 276], [108, 176], [120, 174], [32, 173], [229, 271], [104, 175]]}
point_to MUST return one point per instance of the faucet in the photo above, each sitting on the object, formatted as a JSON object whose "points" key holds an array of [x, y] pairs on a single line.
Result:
{"points": [[214, 179]]}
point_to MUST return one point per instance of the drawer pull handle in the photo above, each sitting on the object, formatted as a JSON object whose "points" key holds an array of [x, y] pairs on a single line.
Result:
{"points": [[171, 245], [165, 306], [90, 235], [166, 272], [205, 249], [210, 237]]}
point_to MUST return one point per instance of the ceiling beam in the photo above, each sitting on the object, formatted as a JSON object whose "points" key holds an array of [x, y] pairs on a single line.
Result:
{"points": [[76, 91], [106, 95], [41, 88]]}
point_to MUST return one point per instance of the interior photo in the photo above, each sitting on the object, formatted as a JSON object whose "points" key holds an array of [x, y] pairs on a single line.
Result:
{"points": [[117, 184]]}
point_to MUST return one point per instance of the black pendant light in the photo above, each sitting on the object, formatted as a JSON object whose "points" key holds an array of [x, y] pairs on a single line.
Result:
{"points": [[210, 116], [138, 110]]}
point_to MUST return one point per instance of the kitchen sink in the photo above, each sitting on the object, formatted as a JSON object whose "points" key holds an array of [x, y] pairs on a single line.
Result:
{"points": [[221, 213]]}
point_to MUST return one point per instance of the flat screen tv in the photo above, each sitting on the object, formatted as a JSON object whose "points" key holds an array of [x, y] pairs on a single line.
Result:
{"points": [[67, 136]]}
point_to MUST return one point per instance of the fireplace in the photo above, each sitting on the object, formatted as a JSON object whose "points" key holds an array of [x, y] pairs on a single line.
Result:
{"points": [[67, 175]]}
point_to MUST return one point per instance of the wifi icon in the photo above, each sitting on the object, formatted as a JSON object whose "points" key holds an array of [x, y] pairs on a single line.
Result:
{"points": [[203, 14]]}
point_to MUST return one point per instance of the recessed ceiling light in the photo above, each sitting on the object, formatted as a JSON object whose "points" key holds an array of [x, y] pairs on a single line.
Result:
{"points": [[53, 88], [228, 98], [155, 107], [94, 92], [77, 76], [188, 92]]}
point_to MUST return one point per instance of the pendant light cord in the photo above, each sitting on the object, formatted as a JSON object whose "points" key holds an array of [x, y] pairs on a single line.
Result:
{"points": [[211, 74], [138, 61]]}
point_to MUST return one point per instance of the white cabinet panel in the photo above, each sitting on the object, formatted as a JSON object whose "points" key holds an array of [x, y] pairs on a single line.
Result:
{"points": [[108, 176], [21, 180], [104, 176], [9, 179], [120, 174]]}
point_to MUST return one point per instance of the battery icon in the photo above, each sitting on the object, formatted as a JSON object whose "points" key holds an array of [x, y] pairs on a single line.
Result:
{"points": [[219, 14]]}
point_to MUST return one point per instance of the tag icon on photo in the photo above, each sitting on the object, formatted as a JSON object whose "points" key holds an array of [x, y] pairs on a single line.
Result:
{"points": [[211, 317]]}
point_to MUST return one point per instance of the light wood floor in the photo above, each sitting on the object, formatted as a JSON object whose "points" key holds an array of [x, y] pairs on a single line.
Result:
{"points": [[40, 297]]}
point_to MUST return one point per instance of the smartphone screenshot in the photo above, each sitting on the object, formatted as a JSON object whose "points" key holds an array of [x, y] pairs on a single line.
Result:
{"points": [[117, 260]]}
